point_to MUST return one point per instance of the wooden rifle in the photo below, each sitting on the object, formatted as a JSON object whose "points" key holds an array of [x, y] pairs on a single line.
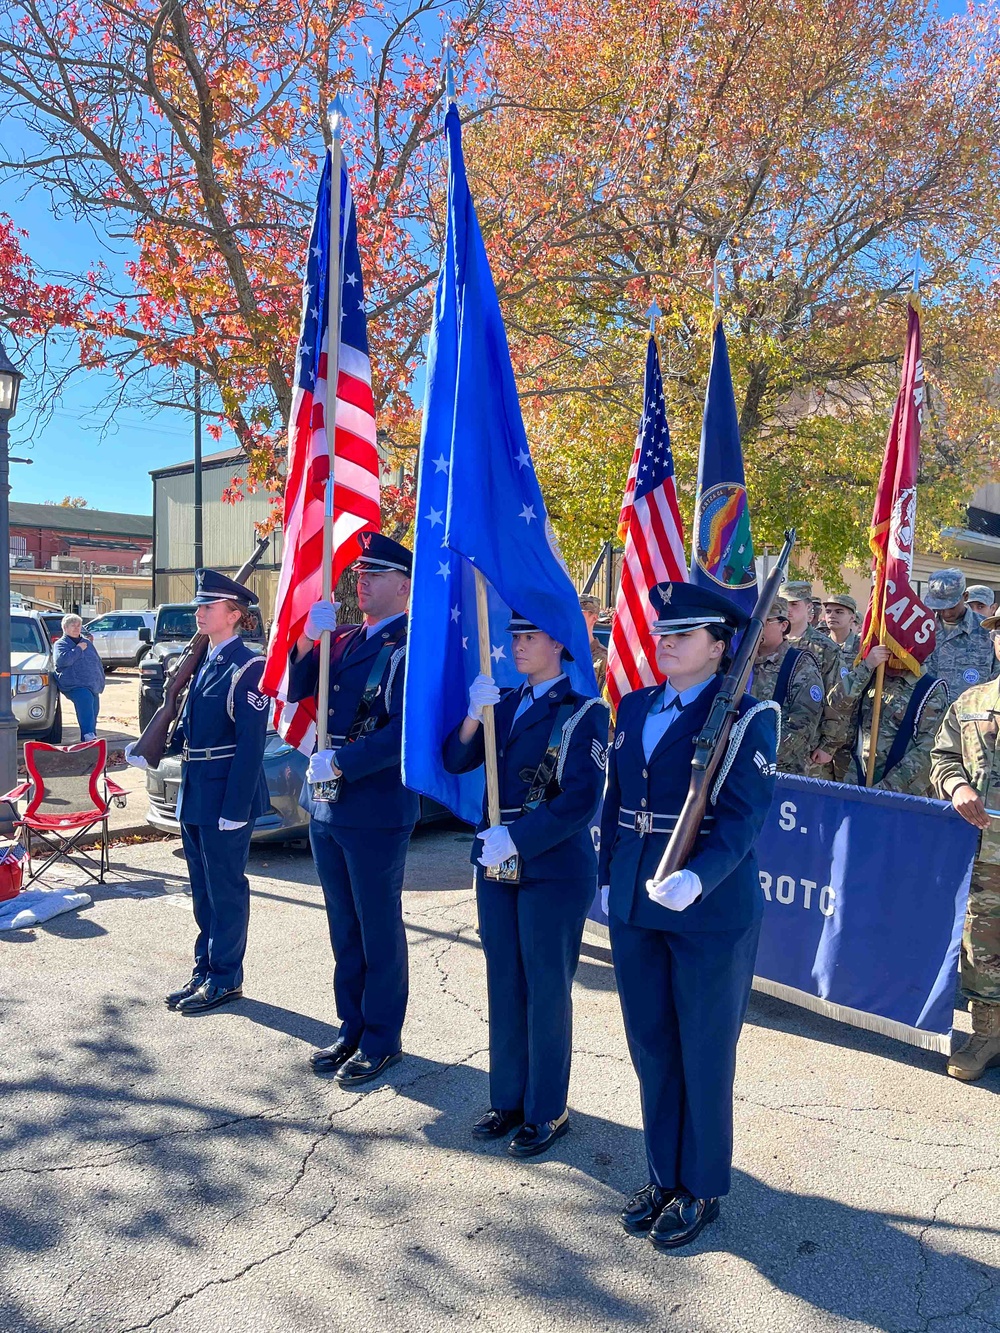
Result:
{"points": [[710, 746], [159, 730]]}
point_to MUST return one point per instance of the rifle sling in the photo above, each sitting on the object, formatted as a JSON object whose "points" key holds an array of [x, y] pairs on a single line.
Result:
{"points": [[363, 721]]}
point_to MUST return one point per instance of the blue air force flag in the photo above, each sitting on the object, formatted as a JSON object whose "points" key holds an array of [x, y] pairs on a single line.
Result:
{"points": [[479, 506]]}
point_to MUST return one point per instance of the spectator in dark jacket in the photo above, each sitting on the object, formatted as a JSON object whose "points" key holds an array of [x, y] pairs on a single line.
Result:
{"points": [[79, 674]]}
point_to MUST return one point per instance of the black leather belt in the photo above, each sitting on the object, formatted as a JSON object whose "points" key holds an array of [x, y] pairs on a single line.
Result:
{"points": [[648, 821]]}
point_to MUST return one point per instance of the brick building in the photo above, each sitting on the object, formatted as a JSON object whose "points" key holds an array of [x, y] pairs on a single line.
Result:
{"points": [[86, 560], [113, 543]]}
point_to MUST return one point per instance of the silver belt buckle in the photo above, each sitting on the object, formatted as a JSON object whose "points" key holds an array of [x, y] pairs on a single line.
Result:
{"points": [[327, 791], [643, 822]]}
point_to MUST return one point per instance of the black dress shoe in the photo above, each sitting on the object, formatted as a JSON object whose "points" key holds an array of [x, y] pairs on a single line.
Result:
{"points": [[208, 996], [681, 1220], [644, 1208], [329, 1058], [174, 998], [361, 1068], [530, 1140], [497, 1124]]}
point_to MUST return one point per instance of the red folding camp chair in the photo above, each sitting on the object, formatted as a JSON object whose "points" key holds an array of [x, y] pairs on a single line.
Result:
{"points": [[70, 795]]}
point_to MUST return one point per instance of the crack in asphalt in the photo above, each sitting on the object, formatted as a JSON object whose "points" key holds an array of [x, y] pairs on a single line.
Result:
{"points": [[800, 1110], [445, 976], [925, 1253], [226, 1279]]}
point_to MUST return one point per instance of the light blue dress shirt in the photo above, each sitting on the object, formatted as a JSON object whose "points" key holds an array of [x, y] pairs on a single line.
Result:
{"points": [[664, 710], [532, 692]]}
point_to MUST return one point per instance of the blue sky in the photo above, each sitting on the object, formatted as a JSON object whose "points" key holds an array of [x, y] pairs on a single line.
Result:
{"points": [[77, 451]]}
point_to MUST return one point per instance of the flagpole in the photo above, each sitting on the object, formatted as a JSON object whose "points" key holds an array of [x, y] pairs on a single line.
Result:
{"points": [[876, 717], [489, 720], [880, 669], [482, 592], [332, 374]]}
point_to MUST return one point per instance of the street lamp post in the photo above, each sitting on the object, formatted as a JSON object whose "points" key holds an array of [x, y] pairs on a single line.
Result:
{"points": [[10, 384]]}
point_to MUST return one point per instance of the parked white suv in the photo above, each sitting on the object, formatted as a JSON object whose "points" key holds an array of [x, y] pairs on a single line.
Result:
{"points": [[118, 637]]}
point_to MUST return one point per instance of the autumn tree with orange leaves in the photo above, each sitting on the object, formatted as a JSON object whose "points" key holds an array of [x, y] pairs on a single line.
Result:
{"points": [[615, 151], [190, 134], [809, 147]]}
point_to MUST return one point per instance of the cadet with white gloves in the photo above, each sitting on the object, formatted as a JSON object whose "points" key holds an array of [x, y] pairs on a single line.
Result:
{"points": [[684, 947], [361, 821], [220, 737], [550, 756]]}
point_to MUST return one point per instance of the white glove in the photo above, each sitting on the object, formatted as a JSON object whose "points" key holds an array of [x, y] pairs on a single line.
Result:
{"points": [[322, 615], [605, 895], [228, 825], [322, 767], [482, 691], [677, 891], [136, 760], [498, 845]]}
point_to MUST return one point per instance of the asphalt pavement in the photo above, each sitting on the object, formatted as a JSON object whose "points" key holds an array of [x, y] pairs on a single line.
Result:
{"points": [[192, 1174]]}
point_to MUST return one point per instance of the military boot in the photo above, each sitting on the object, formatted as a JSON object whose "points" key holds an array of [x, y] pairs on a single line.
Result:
{"points": [[982, 1050]]}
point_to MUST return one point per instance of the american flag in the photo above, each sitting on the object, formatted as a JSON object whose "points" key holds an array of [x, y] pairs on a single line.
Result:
{"points": [[356, 464], [650, 527]]}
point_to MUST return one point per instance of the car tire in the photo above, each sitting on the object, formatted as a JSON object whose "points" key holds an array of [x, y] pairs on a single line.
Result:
{"points": [[141, 654], [54, 734]]}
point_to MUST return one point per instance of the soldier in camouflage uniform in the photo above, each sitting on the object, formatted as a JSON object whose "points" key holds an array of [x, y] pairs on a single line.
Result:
{"points": [[840, 611], [965, 769], [963, 654], [801, 690], [855, 697], [798, 596], [982, 600]]}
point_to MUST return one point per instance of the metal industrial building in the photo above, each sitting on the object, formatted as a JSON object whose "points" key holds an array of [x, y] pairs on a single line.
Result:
{"points": [[227, 529]]}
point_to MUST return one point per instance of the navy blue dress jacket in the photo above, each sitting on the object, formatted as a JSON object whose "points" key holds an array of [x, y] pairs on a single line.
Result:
{"points": [[372, 794], [723, 858], [554, 839], [225, 710]]}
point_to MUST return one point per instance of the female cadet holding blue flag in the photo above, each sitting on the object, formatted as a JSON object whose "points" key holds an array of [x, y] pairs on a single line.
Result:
{"points": [[684, 948], [550, 757]]}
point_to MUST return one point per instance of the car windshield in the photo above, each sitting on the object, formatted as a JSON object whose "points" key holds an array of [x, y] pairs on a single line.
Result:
{"points": [[26, 636], [178, 622]]}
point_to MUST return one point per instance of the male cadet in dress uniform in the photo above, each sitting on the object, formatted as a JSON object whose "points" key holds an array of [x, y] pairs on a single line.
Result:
{"points": [[965, 769], [684, 948], [963, 654], [591, 609], [221, 738], [361, 820], [981, 599], [798, 596], [790, 676], [840, 611], [912, 709]]}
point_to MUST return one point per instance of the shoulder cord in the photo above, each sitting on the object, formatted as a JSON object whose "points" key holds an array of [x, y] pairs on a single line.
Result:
{"points": [[736, 736], [924, 700], [567, 734], [237, 676], [394, 662]]}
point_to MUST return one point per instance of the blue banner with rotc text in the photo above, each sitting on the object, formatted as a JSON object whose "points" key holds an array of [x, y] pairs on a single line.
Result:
{"points": [[864, 903]]}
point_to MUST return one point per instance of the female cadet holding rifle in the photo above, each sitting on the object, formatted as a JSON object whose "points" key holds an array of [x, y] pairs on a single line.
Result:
{"points": [[684, 946], [536, 877], [221, 738]]}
